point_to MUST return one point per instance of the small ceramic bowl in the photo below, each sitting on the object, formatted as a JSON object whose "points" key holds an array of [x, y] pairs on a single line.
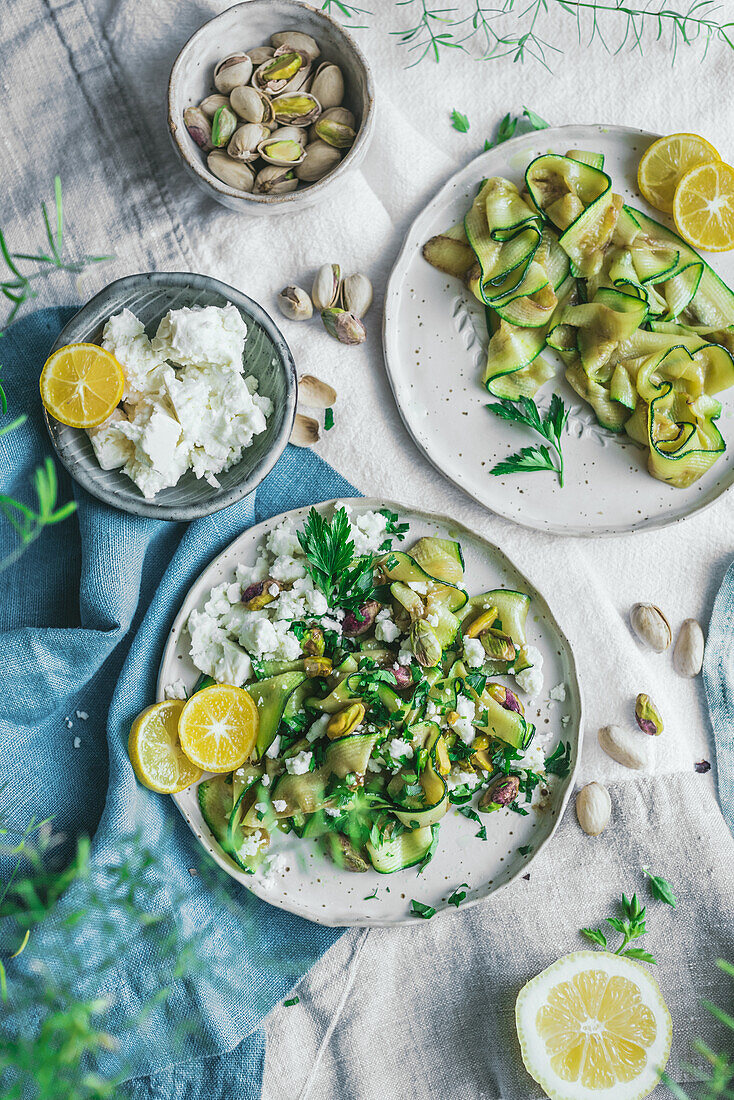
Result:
{"points": [[267, 356], [243, 27]]}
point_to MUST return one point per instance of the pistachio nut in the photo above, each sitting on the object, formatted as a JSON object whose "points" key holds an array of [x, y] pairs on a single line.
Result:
{"points": [[278, 151], [425, 644], [317, 666], [199, 127], [625, 747], [305, 431], [212, 103], [501, 793], [328, 85], [651, 626], [251, 105], [295, 109], [232, 172], [343, 326], [312, 391], [443, 760], [295, 304], [689, 647], [313, 643], [320, 159], [360, 621], [260, 594], [246, 141], [344, 853], [593, 808], [258, 55], [275, 179], [345, 721], [356, 294], [506, 698], [341, 115], [498, 646], [334, 133], [648, 716], [276, 74], [482, 622], [232, 71], [296, 40], [326, 284], [403, 677], [289, 133], [224, 125]]}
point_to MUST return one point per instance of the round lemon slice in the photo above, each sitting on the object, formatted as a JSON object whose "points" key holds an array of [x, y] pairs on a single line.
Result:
{"points": [[703, 207], [155, 752], [218, 728], [594, 1025], [666, 161], [81, 384]]}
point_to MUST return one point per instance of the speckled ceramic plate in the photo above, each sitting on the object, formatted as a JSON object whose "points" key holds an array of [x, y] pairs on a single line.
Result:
{"points": [[435, 349], [312, 886]]}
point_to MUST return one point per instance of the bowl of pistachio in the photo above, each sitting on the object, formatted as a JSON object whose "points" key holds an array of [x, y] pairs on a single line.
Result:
{"points": [[270, 105]]}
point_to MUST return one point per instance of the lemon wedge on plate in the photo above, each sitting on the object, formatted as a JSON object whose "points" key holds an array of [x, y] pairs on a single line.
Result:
{"points": [[155, 752], [81, 384], [594, 1026], [218, 727], [666, 161], [703, 207]]}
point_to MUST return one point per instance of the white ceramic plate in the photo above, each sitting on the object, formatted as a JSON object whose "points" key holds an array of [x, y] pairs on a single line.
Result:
{"points": [[435, 348], [312, 886]]}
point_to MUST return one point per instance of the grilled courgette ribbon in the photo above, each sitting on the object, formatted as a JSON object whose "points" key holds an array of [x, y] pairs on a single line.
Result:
{"points": [[644, 327]]}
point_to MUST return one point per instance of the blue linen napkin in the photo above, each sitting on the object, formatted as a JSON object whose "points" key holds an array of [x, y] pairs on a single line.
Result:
{"points": [[83, 620], [718, 678]]}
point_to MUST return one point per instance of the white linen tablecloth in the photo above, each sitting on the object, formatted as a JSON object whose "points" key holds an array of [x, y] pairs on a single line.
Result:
{"points": [[425, 1011]]}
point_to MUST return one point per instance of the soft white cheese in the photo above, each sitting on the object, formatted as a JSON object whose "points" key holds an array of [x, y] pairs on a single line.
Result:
{"points": [[176, 690], [474, 653], [279, 804], [318, 729], [300, 763], [234, 666], [202, 334], [558, 693], [462, 723], [274, 749], [386, 631], [124, 336], [530, 679], [112, 448], [398, 749]]}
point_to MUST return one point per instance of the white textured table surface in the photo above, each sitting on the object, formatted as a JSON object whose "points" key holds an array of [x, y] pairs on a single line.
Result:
{"points": [[102, 104]]}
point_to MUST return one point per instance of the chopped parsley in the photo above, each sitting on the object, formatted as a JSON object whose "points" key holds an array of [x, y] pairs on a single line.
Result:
{"points": [[467, 811], [419, 909], [292, 1001], [459, 122], [559, 762], [328, 419], [458, 895], [344, 580], [524, 849]]}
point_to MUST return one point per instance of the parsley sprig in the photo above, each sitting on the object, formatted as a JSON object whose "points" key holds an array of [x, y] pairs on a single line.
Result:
{"points": [[528, 120], [459, 122], [345, 581], [550, 426], [630, 926]]}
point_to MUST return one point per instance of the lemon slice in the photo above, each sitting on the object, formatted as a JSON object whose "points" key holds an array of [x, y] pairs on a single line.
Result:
{"points": [[594, 1025], [155, 752], [81, 384], [665, 163], [703, 207], [218, 727]]}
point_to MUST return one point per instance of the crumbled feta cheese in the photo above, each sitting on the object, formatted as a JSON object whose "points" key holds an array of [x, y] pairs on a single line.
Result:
{"points": [[530, 679], [332, 624], [82, 715], [474, 653], [386, 631], [462, 723], [111, 447], [77, 742], [265, 780], [431, 709], [202, 335], [300, 763], [385, 613], [461, 779], [274, 749], [367, 530], [252, 844], [258, 635], [419, 586], [283, 540], [318, 729], [374, 766], [432, 620], [405, 656], [286, 568], [534, 758], [558, 693], [176, 690], [279, 804], [398, 750], [333, 811], [68, 723], [261, 807], [565, 720], [124, 336]]}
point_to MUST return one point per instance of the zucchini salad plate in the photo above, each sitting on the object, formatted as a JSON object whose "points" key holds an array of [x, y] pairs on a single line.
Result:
{"points": [[590, 297], [419, 713]]}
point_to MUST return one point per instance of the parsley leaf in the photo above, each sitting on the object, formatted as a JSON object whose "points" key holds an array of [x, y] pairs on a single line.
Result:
{"points": [[509, 124], [328, 419], [559, 761], [345, 581], [660, 888], [458, 895], [524, 849], [418, 909], [292, 1001], [595, 935], [459, 122], [630, 926], [429, 854], [467, 811], [535, 121], [550, 426], [371, 896]]}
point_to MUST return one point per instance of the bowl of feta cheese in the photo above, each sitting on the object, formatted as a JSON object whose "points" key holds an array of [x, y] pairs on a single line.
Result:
{"points": [[209, 398]]}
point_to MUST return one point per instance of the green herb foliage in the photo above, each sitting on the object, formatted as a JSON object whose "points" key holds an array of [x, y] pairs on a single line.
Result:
{"points": [[559, 761], [527, 121], [458, 895], [459, 122], [630, 926], [292, 1001], [346, 581], [660, 888], [419, 909], [716, 1074], [550, 426], [328, 419]]}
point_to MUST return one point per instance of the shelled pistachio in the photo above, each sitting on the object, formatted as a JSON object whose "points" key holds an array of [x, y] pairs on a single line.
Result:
{"points": [[343, 326], [224, 125]]}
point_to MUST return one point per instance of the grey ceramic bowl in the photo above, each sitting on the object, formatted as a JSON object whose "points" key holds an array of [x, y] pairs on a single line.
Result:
{"points": [[242, 27], [267, 356]]}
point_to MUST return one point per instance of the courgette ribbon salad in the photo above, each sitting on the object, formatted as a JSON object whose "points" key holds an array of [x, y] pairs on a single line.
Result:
{"points": [[373, 672], [642, 324]]}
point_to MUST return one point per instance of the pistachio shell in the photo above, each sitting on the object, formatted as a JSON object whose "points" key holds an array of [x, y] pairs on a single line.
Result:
{"points": [[689, 648], [356, 294], [296, 40], [296, 109], [199, 127], [251, 105], [624, 746], [328, 85], [312, 391], [260, 54], [295, 304], [275, 179], [342, 115], [289, 133], [320, 159], [593, 808], [325, 289], [305, 431], [212, 103], [232, 71], [232, 172], [245, 141], [651, 626]]}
